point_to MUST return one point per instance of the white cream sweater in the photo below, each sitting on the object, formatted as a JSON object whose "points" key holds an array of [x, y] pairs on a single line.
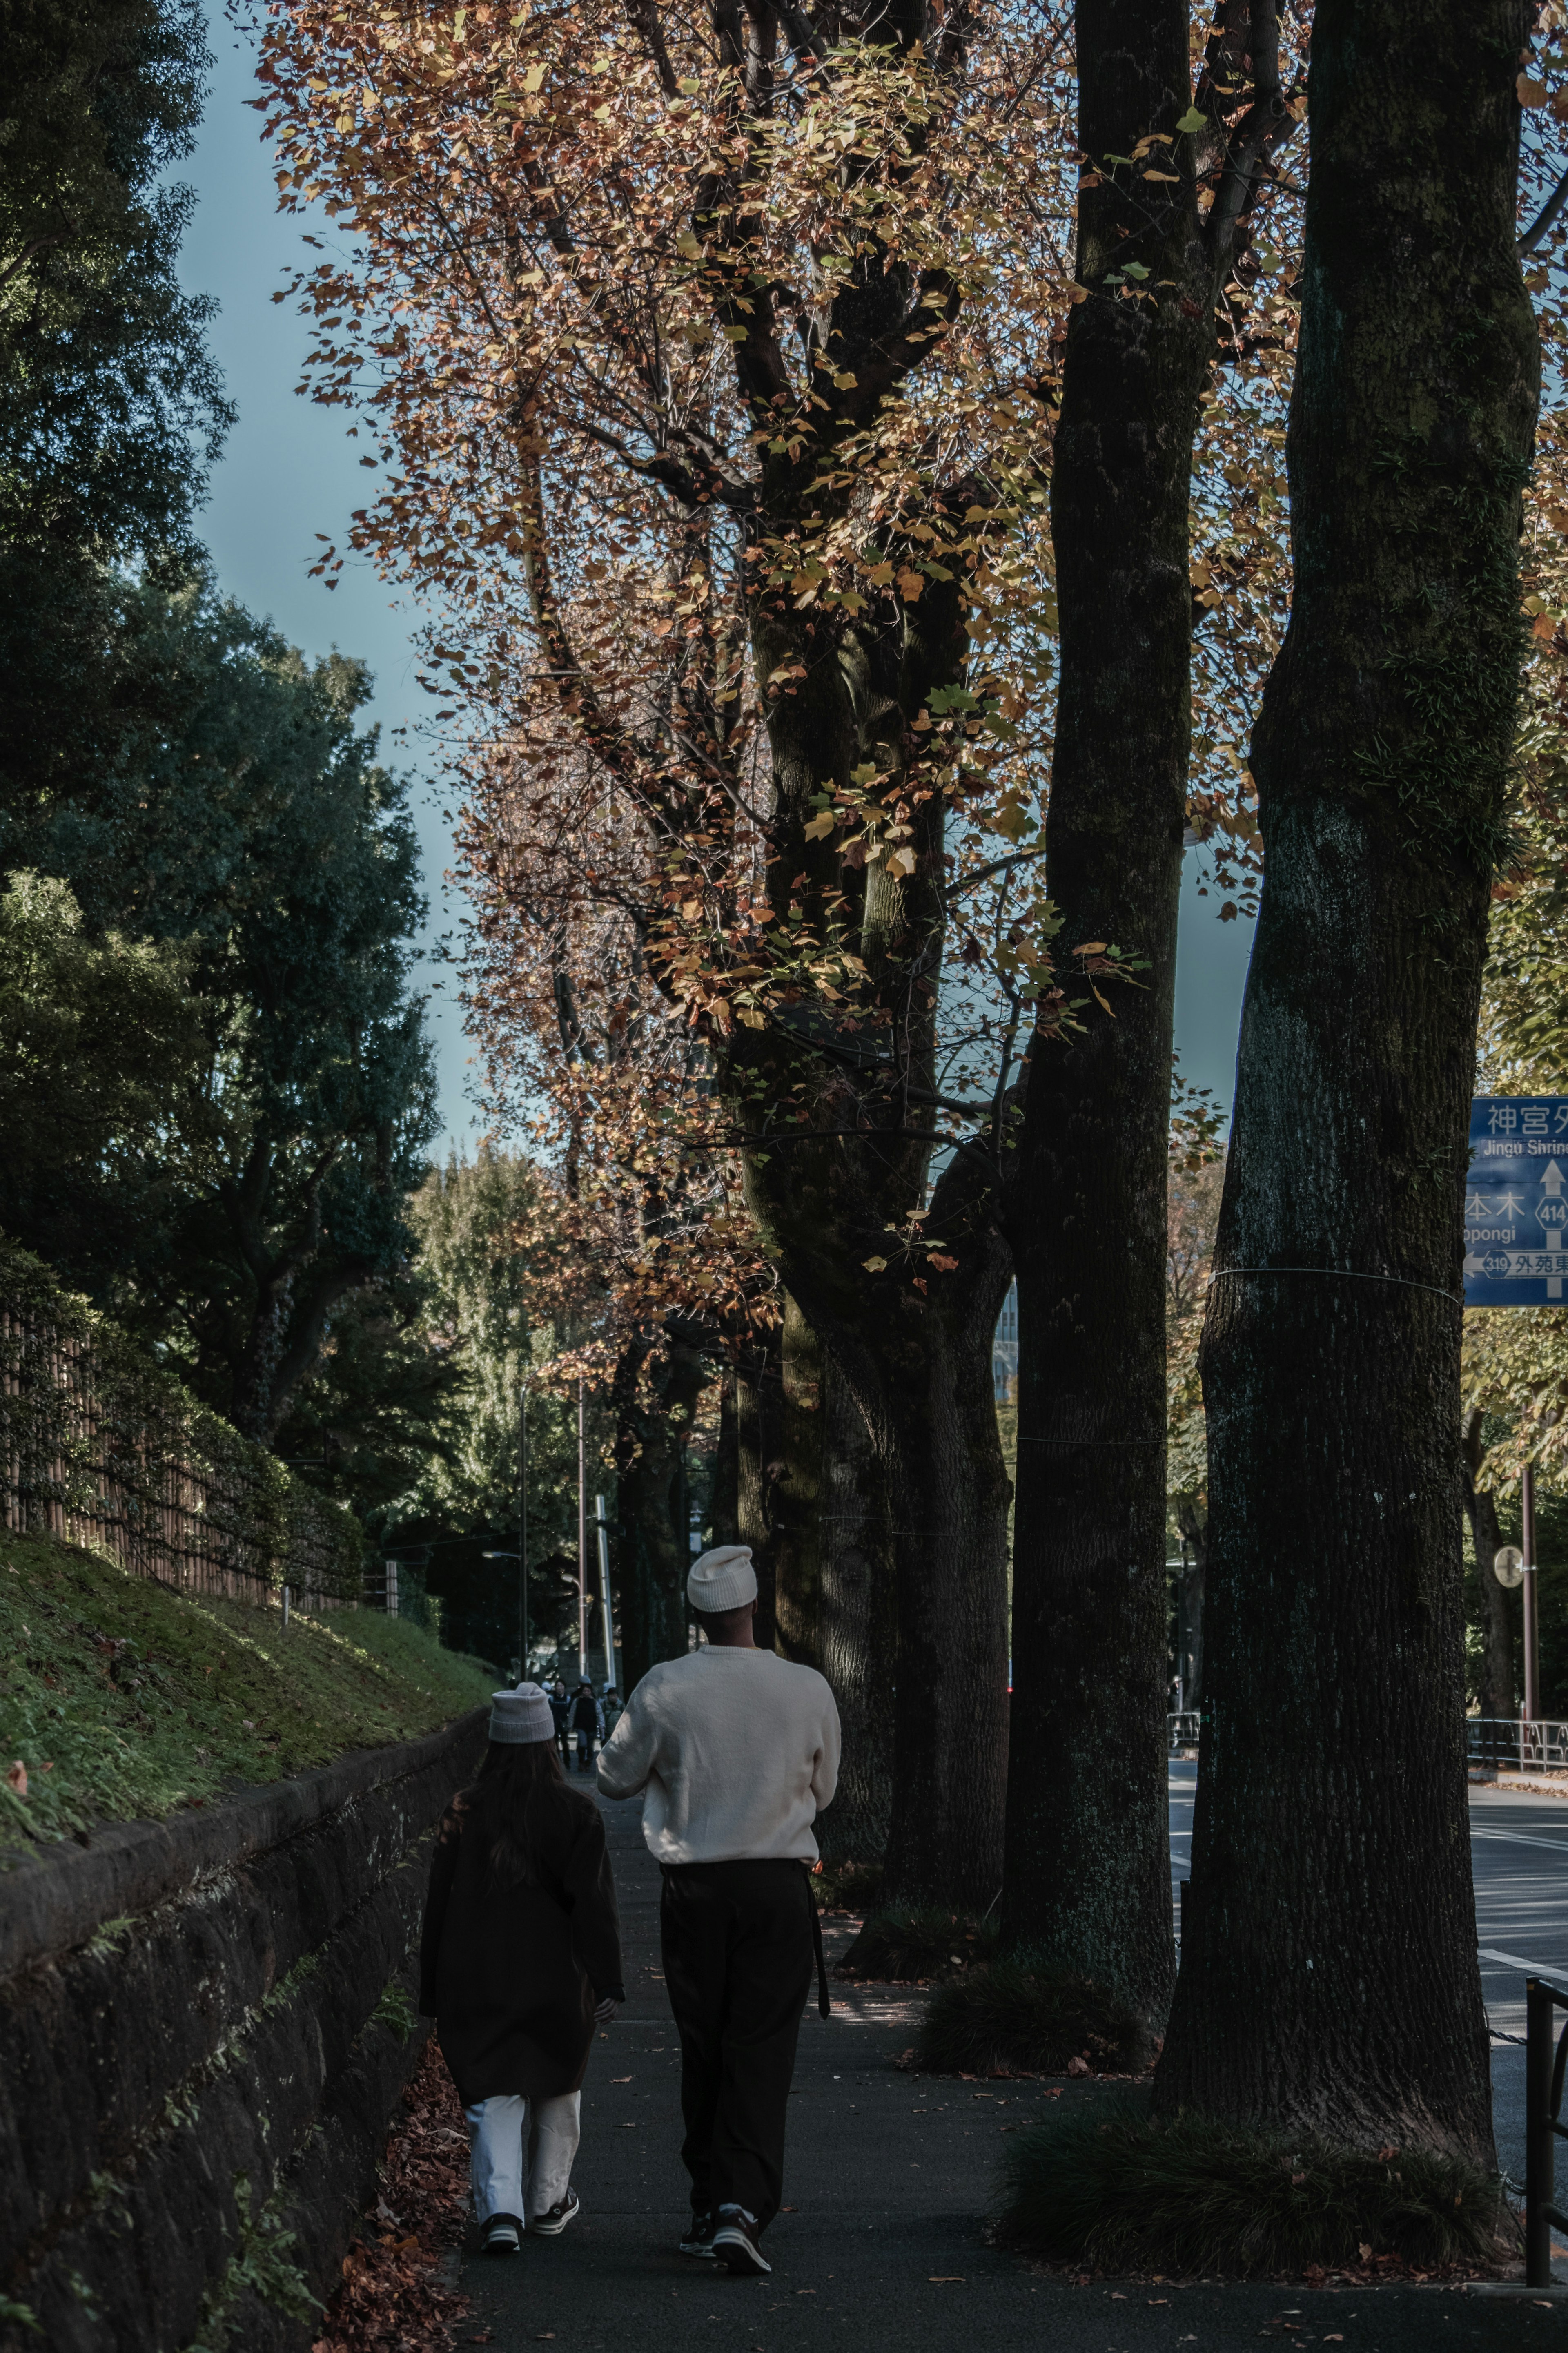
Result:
{"points": [[736, 1751]]}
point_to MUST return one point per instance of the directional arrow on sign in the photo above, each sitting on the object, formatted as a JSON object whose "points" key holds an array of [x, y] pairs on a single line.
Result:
{"points": [[1551, 1179]]}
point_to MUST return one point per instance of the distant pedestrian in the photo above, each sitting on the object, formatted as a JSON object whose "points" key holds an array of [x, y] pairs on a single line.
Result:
{"points": [[588, 1724], [561, 1709], [610, 1707], [737, 1751], [518, 1956]]}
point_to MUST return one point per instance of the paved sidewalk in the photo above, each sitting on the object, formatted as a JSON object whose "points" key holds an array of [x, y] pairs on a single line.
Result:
{"points": [[889, 2181]]}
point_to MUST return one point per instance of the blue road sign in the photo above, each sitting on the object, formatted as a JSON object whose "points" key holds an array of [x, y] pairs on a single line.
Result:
{"points": [[1516, 1201]]}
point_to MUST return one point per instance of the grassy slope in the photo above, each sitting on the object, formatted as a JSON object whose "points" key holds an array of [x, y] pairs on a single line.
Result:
{"points": [[124, 1700]]}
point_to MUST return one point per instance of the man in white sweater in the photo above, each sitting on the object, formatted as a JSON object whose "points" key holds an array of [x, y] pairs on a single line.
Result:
{"points": [[736, 1751]]}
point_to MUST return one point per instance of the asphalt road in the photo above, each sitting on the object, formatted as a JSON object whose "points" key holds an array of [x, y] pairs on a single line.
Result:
{"points": [[890, 2180]]}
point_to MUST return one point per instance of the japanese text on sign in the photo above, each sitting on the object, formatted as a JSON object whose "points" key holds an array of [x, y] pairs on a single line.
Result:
{"points": [[1516, 1201]]}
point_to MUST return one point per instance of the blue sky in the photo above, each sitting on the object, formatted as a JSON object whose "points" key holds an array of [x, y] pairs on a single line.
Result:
{"points": [[289, 472]]}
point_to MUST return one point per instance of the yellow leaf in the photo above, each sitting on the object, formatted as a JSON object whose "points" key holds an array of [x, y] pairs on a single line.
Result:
{"points": [[1091, 948], [1100, 1001], [750, 1015], [873, 1265], [820, 826], [901, 862], [909, 584], [534, 78]]}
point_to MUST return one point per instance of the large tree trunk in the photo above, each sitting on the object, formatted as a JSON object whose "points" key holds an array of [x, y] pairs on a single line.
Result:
{"points": [[1329, 1974], [1087, 1849], [796, 1496], [858, 1627], [912, 1348], [917, 1368], [801, 1437], [1497, 1688], [758, 1404], [652, 1555], [724, 1509]]}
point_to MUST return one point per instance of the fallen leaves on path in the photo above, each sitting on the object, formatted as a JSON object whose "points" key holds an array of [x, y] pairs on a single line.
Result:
{"points": [[391, 2295]]}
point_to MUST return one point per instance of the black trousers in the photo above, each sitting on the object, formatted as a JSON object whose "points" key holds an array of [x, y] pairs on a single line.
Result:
{"points": [[738, 1957]]}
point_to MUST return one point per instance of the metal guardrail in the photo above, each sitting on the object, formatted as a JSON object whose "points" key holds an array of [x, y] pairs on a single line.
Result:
{"points": [[1182, 1731], [1546, 2059], [1540, 1742]]}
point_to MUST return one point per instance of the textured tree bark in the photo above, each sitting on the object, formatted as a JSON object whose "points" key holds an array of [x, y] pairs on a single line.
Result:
{"points": [[795, 1495], [1498, 1686], [724, 1510], [1329, 1974], [836, 1207], [757, 1411], [917, 1368], [652, 1557], [1087, 1844], [858, 1623]]}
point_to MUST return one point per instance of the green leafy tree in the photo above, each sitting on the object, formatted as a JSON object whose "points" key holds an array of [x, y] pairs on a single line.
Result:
{"points": [[491, 1256], [102, 1049], [109, 396], [245, 815], [111, 407]]}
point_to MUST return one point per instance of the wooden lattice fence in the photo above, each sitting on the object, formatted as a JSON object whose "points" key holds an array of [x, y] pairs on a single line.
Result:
{"points": [[100, 1446]]}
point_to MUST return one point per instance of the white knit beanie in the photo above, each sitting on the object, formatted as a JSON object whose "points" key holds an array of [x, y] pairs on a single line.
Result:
{"points": [[722, 1580], [521, 1715]]}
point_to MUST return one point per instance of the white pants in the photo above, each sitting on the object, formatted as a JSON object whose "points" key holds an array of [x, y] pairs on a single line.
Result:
{"points": [[496, 2130]]}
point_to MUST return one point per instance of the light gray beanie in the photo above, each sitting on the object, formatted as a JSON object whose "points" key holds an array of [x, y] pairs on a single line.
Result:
{"points": [[521, 1715], [722, 1580]]}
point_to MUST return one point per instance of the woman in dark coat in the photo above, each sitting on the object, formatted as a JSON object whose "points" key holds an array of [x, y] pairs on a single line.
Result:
{"points": [[518, 1956]]}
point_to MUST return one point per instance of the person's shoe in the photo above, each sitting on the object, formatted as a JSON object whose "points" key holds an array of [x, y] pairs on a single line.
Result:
{"points": [[502, 2235], [735, 2242], [554, 2220], [698, 2240]]}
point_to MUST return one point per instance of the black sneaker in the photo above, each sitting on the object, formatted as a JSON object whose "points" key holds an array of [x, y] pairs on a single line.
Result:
{"points": [[502, 2235], [699, 2238], [735, 2242], [554, 2220]]}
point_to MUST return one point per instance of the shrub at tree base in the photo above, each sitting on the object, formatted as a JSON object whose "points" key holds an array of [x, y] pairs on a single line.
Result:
{"points": [[918, 1944], [1112, 2187], [1016, 2016], [847, 1886]]}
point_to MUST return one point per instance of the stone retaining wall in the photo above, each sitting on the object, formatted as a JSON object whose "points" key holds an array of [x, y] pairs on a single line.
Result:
{"points": [[204, 2025]]}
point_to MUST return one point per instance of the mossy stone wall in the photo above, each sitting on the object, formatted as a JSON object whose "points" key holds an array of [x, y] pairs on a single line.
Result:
{"points": [[194, 2090]]}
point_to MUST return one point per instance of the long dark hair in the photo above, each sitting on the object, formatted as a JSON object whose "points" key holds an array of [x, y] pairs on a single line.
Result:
{"points": [[520, 1796]]}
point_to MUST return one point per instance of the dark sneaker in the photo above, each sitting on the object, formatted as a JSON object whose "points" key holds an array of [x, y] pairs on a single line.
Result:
{"points": [[550, 2224], [502, 2235], [699, 2238], [735, 2242]]}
